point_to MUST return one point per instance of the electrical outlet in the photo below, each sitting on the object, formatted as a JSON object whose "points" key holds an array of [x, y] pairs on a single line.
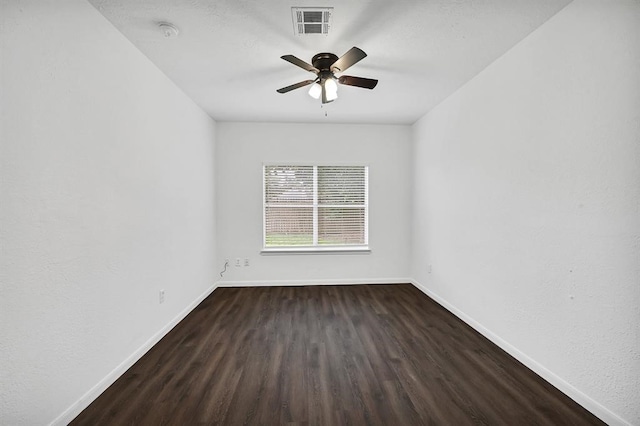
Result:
{"points": [[246, 261], [161, 296], [238, 262]]}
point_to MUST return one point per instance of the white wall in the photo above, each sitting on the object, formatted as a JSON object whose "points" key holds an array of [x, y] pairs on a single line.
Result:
{"points": [[527, 204], [107, 196], [241, 150]]}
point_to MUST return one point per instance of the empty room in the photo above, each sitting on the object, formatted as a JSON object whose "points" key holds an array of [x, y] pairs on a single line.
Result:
{"points": [[319, 213]]}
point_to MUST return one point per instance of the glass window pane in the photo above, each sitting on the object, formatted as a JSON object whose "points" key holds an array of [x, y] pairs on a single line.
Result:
{"points": [[341, 185], [339, 226], [288, 184], [288, 226]]}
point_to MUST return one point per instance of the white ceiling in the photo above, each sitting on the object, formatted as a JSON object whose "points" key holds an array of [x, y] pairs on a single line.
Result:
{"points": [[227, 54]]}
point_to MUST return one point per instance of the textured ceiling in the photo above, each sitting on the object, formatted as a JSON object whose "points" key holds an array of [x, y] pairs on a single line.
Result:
{"points": [[227, 54]]}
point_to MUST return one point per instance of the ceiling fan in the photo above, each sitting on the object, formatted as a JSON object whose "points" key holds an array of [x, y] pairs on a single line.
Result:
{"points": [[325, 66]]}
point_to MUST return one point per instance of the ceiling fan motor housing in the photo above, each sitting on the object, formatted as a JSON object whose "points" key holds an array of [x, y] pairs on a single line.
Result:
{"points": [[323, 61]]}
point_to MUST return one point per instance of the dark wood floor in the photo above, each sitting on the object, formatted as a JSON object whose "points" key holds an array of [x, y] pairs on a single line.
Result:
{"points": [[328, 355]]}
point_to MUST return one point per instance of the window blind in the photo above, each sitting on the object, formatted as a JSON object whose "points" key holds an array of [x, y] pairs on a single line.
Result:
{"points": [[315, 206]]}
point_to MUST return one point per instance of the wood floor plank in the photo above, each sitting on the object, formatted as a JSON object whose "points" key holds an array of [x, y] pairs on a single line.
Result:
{"points": [[328, 355]]}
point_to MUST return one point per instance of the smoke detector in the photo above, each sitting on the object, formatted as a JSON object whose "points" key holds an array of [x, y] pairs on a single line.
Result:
{"points": [[311, 20], [169, 30]]}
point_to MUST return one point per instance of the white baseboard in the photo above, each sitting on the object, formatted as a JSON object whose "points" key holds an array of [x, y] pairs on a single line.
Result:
{"points": [[280, 283], [77, 407], [588, 403]]}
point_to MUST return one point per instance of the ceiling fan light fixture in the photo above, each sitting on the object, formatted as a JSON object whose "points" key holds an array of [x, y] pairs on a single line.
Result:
{"points": [[315, 90], [332, 89]]}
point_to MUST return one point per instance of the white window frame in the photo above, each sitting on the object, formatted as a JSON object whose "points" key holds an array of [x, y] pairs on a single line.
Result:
{"points": [[315, 248]]}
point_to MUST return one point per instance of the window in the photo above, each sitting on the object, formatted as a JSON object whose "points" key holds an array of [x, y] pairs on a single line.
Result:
{"points": [[315, 208]]}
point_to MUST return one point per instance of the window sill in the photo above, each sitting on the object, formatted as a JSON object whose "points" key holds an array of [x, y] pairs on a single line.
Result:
{"points": [[316, 250]]}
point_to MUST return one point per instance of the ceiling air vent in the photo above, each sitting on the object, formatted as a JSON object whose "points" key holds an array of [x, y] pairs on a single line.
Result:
{"points": [[311, 20]]}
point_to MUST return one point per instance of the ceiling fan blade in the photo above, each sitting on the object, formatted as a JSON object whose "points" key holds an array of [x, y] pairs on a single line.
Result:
{"points": [[367, 83], [295, 86], [299, 62], [353, 56]]}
